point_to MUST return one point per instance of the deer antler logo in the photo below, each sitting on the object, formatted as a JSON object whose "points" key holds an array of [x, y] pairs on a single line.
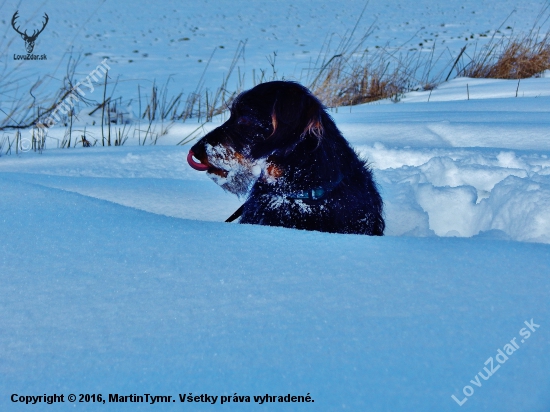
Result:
{"points": [[29, 40]]}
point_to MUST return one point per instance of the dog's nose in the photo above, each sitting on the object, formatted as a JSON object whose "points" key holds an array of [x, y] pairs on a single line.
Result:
{"points": [[194, 164]]}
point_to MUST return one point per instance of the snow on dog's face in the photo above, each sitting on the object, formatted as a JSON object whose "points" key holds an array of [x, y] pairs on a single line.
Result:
{"points": [[225, 152], [231, 170], [266, 123]]}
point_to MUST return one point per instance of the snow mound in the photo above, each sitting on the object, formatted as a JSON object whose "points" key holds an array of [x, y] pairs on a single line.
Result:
{"points": [[466, 193]]}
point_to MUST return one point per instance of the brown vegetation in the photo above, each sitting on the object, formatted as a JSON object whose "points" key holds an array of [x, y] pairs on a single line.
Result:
{"points": [[519, 57]]}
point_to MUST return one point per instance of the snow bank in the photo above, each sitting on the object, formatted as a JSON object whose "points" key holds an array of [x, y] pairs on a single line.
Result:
{"points": [[468, 192], [100, 298], [460, 168]]}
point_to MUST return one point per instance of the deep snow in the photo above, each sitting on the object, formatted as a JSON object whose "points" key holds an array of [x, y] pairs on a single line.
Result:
{"points": [[118, 275], [101, 298], [114, 282]]}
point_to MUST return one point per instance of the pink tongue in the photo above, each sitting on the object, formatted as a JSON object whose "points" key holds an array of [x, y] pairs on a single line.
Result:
{"points": [[195, 165]]}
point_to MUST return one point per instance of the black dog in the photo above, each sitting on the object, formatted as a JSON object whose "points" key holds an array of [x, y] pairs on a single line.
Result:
{"points": [[282, 149]]}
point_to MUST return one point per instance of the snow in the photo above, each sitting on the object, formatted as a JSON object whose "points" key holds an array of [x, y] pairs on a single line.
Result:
{"points": [[101, 298], [119, 276], [173, 43]]}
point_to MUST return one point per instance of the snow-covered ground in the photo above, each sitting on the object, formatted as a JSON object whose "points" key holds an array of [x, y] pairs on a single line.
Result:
{"points": [[102, 298], [118, 275], [174, 42]]}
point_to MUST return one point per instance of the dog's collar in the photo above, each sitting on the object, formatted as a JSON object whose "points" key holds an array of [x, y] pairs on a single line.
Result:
{"points": [[310, 195], [235, 214], [316, 193]]}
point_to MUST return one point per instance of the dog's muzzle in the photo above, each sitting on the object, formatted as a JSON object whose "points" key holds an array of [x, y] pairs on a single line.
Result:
{"points": [[194, 164]]}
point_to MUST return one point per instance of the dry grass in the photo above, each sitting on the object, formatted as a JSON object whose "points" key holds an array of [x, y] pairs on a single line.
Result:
{"points": [[345, 75], [28, 109], [351, 74], [350, 77], [200, 104], [518, 57], [515, 56], [369, 77]]}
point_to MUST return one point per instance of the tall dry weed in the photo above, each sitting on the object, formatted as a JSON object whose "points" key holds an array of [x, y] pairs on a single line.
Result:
{"points": [[352, 74], [518, 57]]}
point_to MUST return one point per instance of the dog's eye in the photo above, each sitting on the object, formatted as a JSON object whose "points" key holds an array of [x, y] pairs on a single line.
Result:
{"points": [[245, 121]]}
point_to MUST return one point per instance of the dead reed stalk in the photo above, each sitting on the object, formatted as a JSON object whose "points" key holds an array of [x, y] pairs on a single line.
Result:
{"points": [[517, 57]]}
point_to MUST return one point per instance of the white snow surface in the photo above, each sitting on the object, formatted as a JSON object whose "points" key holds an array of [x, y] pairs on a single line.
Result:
{"points": [[194, 43], [119, 276]]}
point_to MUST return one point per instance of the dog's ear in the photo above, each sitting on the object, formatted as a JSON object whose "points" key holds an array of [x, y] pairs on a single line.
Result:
{"points": [[297, 112], [296, 116]]}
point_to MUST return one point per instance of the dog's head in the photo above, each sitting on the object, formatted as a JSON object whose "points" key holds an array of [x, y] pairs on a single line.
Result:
{"points": [[267, 123]]}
